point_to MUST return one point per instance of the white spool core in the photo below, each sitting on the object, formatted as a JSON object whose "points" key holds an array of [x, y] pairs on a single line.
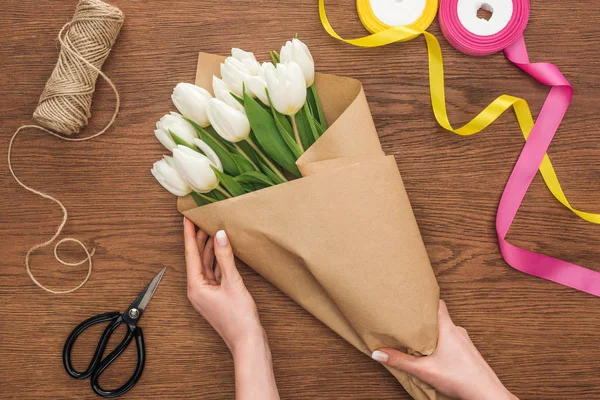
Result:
{"points": [[398, 12], [501, 10]]}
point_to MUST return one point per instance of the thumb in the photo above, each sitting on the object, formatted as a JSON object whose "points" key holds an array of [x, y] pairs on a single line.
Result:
{"points": [[399, 360], [225, 258]]}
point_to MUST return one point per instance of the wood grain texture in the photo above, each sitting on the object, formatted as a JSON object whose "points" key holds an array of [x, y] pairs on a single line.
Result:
{"points": [[539, 337]]}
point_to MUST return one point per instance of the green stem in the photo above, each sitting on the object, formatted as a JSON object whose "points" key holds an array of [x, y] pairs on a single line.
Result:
{"points": [[266, 160], [296, 133], [238, 148], [223, 191]]}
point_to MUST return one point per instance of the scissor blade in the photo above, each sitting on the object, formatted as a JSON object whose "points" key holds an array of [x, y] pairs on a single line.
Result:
{"points": [[149, 291]]}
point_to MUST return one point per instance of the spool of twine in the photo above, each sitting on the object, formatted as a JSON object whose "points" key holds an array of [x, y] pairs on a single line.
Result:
{"points": [[64, 106]]}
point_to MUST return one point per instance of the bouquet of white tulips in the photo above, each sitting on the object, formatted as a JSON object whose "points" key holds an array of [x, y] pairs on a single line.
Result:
{"points": [[250, 134], [289, 163]]}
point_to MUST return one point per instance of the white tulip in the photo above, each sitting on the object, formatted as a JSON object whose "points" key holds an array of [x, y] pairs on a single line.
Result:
{"points": [[295, 50], [242, 55], [195, 169], [257, 84], [175, 123], [223, 93], [236, 70], [234, 73], [192, 101], [210, 153], [229, 123], [287, 87], [165, 173], [247, 58]]}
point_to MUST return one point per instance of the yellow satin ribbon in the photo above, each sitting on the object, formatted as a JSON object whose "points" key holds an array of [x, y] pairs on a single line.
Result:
{"points": [[382, 34]]}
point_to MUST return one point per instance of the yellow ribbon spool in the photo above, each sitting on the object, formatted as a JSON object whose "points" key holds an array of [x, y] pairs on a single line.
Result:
{"points": [[383, 34]]}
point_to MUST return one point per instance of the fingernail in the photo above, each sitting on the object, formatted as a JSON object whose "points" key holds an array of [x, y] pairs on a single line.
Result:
{"points": [[222, 238], [380, 356], [184, 219]]}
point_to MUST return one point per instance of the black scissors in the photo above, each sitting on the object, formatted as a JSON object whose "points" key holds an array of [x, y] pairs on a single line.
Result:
{"points": [[98, 364]]}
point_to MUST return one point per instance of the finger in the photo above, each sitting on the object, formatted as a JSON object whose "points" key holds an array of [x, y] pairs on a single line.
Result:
{"points": [[444, 319], [208, 259], [218, 273], [201, 237], [224, 254], [399, 360], [192, 256]]}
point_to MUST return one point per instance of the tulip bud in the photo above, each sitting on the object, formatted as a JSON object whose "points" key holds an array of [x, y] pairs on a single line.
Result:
{"points": [[229, 123], [297, 51], [165, 173], [287, 87], [247, 59], [223, 93], [195, 169], [210, 153], [242, 55], [234, 72], [175, 123], [191, 101], [257, 84]]}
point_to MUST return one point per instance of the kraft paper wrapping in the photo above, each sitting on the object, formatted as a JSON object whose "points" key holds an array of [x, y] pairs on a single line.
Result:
{"points": [[341, 241]]}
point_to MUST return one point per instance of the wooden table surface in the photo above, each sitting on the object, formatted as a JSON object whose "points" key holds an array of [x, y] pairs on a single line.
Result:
{"points": [[540, 337]]}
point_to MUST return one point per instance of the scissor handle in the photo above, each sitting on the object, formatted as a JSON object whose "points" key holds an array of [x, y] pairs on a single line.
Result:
{"points": [[141, 359], [114, 317], [97, 364]]}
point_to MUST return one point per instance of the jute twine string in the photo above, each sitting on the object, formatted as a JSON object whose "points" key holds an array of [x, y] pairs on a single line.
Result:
{"points": [[64, 106]]}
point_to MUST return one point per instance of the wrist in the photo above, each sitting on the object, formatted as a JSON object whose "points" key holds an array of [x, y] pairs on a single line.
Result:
{"points": [[252, 341], [497, 393], [502, 393]]}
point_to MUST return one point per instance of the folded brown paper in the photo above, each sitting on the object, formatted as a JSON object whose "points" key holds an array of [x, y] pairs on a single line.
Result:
{"points": [[341, 241]]}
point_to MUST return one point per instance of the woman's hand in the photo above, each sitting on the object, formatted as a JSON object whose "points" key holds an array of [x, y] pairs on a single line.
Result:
{"points": [[456, 368], [220, 294], [223, 300]]}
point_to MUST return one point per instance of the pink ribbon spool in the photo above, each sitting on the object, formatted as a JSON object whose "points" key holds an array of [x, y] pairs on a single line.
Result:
{"points": [[473, 44], [508, 36]]}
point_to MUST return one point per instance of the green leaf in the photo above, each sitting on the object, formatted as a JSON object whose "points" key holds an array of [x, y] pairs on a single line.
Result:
{"points": [[198, 200], [312, 104], [202, 199], [268, 136], [238, 98], [180, 141], [272, 175], [280, 119], [234, 188], [311, 121], [229, 164], [217, 195], [285, 129], [248, 150], [291, 143], [274, 58], [254, 177], [319, 127], [283, 120], [316, 103], [243, 164], [304, 130], [249, 187], [225, 143]]}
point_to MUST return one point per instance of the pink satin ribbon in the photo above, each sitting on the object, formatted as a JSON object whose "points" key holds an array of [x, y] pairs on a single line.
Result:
{"points": [[511, 40]]}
